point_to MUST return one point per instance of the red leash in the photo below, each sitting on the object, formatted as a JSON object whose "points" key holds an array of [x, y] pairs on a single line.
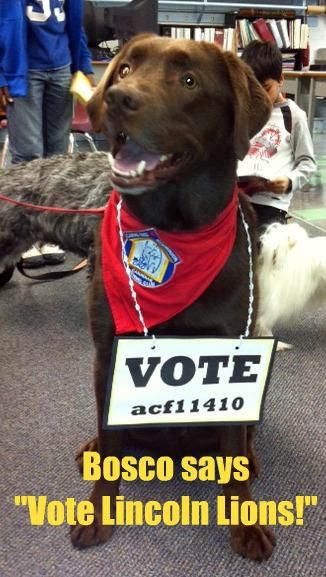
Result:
{"points": [[44, 208]]}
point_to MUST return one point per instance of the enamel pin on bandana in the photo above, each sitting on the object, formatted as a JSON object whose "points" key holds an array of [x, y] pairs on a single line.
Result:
{"points": [[152, 263]]}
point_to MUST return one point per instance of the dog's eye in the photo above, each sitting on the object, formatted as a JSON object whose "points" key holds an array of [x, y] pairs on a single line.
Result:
{"points": [[189, 81], [124, 70]]}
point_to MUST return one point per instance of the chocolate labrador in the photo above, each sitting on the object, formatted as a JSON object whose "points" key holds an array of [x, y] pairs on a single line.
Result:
{"points": [[178, 115]]}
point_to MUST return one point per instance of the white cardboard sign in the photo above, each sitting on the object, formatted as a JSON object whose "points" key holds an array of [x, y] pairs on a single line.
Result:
{"points": [[187, 381]]}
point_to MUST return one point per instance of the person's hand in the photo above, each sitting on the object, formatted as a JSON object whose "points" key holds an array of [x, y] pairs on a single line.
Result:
{"points": [[5, 97], [279, 185]]}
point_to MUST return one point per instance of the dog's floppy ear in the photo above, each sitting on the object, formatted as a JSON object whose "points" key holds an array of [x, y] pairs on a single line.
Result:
{"points": [[252, 107]]}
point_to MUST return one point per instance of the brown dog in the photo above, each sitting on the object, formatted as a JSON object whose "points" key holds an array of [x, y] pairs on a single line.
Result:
{"points": [[188, 110]]}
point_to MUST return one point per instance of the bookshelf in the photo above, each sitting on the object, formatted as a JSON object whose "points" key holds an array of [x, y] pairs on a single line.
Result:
{"points": [[220, 15], [220, 22], [290, 34], [234, 29], [224, 36]]}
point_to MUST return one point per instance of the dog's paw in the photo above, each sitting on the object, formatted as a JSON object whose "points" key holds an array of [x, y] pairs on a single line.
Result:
{"points": [[83, 536], [283, 346], [91, 445], [254, 542]]}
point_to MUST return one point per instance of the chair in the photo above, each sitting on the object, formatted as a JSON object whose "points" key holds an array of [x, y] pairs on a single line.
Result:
{"points": [[81, 125]]}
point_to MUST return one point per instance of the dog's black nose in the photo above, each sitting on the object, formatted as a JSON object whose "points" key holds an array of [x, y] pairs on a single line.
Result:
{"points": [[123, 99]]}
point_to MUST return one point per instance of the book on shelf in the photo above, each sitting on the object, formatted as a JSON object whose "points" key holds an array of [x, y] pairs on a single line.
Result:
{"points": [[271, 23], [180, 32], [219, 36], [288, 60], [255, 12], [296, 33], [304, 57], [304, 36], [287, 34], [209, 34], [230, 39], [263, 30], [282, 26], [246, 32], [242, 33], [225, 37], [254, 35], [198, 34]]}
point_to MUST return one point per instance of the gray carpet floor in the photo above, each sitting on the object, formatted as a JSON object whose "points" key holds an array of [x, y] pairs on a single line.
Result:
{"points": [[47, 410]]}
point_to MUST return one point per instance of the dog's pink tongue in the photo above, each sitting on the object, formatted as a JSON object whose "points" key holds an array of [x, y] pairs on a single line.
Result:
{"points": [[131, 154]]}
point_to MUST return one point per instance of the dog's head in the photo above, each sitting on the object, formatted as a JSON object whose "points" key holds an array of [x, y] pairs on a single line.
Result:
{"points": [[277, 242], [169, 105]]}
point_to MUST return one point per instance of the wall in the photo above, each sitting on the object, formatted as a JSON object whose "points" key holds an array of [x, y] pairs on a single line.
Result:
{"points": [[317, 34]]}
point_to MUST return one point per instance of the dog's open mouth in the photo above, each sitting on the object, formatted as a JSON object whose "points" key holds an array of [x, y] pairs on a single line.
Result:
{"points": [[135, 169]]}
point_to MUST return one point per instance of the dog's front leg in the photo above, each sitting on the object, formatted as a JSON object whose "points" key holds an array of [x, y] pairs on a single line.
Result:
{"points": [[254, 541], [108, 443]]}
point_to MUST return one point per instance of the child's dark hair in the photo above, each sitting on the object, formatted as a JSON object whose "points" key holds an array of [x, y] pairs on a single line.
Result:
{"points": [[265, 59]]}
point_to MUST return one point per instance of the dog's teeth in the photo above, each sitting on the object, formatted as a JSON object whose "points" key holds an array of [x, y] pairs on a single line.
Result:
{"points": [[141, 167], [125, 174], [121, 172], [110, 159], [164, 157]]}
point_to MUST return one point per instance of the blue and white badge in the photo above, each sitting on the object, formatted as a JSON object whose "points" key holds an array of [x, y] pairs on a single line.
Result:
{"points": [[152, 263]]}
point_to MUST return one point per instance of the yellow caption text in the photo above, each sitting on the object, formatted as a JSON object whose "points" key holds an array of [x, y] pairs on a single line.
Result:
{"points": [[183, 512]]}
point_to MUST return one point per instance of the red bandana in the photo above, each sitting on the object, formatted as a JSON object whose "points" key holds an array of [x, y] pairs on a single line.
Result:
{"points": [[170, 270]]}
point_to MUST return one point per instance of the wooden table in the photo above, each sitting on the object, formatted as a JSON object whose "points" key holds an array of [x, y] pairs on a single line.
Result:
{"points": [[305, 86]]}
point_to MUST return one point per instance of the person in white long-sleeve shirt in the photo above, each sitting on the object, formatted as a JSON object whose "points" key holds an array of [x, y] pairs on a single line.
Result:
{"points": [[282, 152]]}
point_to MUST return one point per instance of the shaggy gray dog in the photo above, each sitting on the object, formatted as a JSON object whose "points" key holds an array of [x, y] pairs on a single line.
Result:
{"points": [[68, 181]]}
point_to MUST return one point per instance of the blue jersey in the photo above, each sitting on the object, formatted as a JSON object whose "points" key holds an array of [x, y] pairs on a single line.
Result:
{"points": [[47, 38], [40, 34]]}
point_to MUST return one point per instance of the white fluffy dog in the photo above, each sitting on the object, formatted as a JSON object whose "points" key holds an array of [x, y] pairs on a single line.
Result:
{"points": [[291, 275]]}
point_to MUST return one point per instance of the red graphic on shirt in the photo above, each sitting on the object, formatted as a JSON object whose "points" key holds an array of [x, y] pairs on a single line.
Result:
{"points": [[266, 144]]}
